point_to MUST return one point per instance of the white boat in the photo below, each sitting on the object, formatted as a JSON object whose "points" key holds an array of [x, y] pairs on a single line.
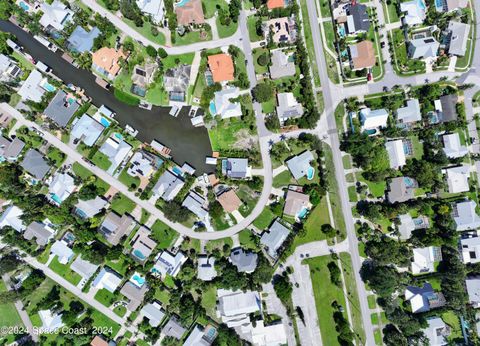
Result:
{"points": [[174, 111]]}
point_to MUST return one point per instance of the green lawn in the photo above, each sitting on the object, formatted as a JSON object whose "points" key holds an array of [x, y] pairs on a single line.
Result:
{"points": [[264, 219], [463, 61], [81, 171], [307, 30], [209, 300], [122, 204], [191, 37], [128, 180], [56, 156], [126, 98], [146, 31], [372, 301], [390, 11], [252, 31], [257, 52], [162, 295], [269, 106], [352, 194], [283, 179], [247, 239], [377, 189], [120, 310], [335, 202], [164, 235], [402, 63], [101, 160], [374, 318], [329, 35], [105, 297], [64, 271], [9, 316], [325, 294], [218, 244], [226, 30], [224, 135], [377, 334], [102, 321], [453, 321]]}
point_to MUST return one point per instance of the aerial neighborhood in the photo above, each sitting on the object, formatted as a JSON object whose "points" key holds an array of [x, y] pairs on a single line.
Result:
{"points": [[239, 172]]}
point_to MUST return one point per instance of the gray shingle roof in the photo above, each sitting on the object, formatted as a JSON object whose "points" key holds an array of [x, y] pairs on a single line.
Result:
{"points": [[299, 164], [173, 329], [81, 40], [246, 262], [38, 231], [61, 110], [274, 237], [35, 164]]}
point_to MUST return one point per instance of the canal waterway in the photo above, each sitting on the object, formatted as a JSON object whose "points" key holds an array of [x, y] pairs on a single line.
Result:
{"points": [[188, 143]]}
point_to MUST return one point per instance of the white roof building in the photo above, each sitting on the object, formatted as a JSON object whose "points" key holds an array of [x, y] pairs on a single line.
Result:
{"points": [[206, 268], [50, 322], [61, 187], [12, 217], [31, 89], [415, 11], [55, 15], [154, 8], [410, 113], [288, 107], [299, 165], [406, 226], [424, 259], [273, 238], [436, 332], [459, 33], [197, 338], [396, 153], [62, 251], [166, 263], [457, 178], [470, 248], [272, 335], [107, 279], [196, 204], [452, 147], [154, 313], [83, 268], [373, 119], [87, 130], [465, 216], [116, 150], [473, 290], [8, 69], [234, 307], [223, 105], [168, 186]]}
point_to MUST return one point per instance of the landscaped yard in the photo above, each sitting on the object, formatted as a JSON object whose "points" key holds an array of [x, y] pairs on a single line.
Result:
{"points": [[225, 134], [403, 64], [164, 235], [264, 219], [122, 204], [101, 160], [247, 239], [390, 11], [128, 180], [209, 300], [260, 66], [56, 156], [283, 179], [252, 30], [191, 37], [105, 297], [9, 316], [64, 271], [120, 310], [377, 189]]}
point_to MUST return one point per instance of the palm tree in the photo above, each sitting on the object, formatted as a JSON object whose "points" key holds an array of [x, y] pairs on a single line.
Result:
{"points": [[85, 61]]}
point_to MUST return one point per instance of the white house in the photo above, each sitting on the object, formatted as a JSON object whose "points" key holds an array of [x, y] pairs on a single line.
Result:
{"points": [[436, 332], [473, 290], [457, 178], [396, 153], [424, 259], [423, 298], [62, 251], [55, 15], [465, 216], [415, 11], [452, 147], [12, 217], [31, 89], [60, 188], [153, 8], [373, 119], [224, 105], [470, 248], [107, 279], [116, 150], [234, 307], [166, 263], [50, 322], [410, 113], [273, 334]]}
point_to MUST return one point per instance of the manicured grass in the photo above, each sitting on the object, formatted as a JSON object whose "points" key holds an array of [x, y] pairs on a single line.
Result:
{"points": [[128, 180], [218, 244], [283, 179], [453, 321], [377, 189], [403, 64], [191, 37], [264, 219], [9, 316], [325, 293], [335, 202], [101, 160], [102, 321], [56, 156], [64, 271], [163, 296], [352, 194], [164, 235], [372, 301], [209, 300], [252, 31], [146, 31], [120, 310], [23, 63], [329, 35], [248, 198], [350, 177], [374, 318], [145, 216], [377, 334], [463, 61], [257, 52], [126, 98], [224, 135], [309, 42], [211, 7], [122, 204], [247, 239], [226, 30], [347, 162], [390, 11], [105, 297]]}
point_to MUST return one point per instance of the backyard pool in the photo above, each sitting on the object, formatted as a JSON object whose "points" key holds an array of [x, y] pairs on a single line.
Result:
{"points": [[182, 3], [104, 122], [139, 254], [177, 171], [24, 6], [212, 108], [302, 213], [137, 280], [55, 198], [310, 173]]}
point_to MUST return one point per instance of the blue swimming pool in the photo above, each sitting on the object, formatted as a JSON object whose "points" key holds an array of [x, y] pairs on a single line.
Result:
{"points": [[55, 198], [302, 213], [439, 5], [177, 171], [139, 254], [138, 279], [48, 87], [371, 132], [341, 31], [409, 182], [118, 136], [310, 173], [24, 6], [421, 4], [182, 3], [104, 122], [212, 108]]}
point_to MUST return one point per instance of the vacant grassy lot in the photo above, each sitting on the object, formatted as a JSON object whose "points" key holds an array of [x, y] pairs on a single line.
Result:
{"points": [[164, 235], [101, 160], [105, 297], [121, 204]]}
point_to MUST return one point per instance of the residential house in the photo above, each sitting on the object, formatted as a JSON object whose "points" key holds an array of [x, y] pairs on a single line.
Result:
{"points": [[300, 167], [206, 268], [425, 259], [452, 5], [357, 19], [424, 298], [271, 4], [245, 261], [401, 189], [362, 55], [373, 119], [296, 204], [61, 108], [423, 48], [107, 279], [89, 208], [155, 9], [409, 114], [235, 168], [115, 227], [60, 188], [84, 268], [274, 238], [55, 15], [282, 64], [470, 248], [234, 307], [452, 146], [225, 106], [142, 244], [9, 69], [134, 294], [51, 322], [222, 68], [457, 37], [116, 150], [62, 251], [168, 186], [143, 164], [273, 334], [196, 204], [465, 216], [167, 263], [35, 165], [414, 10], [407, 225], [154, 313], [288, 107], [457, 178], [436, 332], [41, 232], [12, 217], [10, 149], [81, 40], [198, 337], [229, 201], [189, 12], [105, 62], [87, 130], [142, 77], [176, 81], [447, 108], [173, 328], [284, 29], [31, 89], [396, 153], [473, 291]]}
